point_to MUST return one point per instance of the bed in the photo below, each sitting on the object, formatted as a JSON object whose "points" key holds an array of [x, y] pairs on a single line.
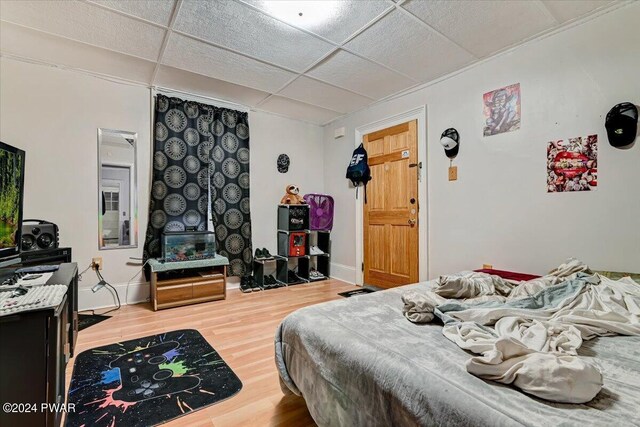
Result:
{"points": [[359, 362]]}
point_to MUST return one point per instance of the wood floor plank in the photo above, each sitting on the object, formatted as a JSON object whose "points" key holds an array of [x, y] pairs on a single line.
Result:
{"points": [[241, 329]]}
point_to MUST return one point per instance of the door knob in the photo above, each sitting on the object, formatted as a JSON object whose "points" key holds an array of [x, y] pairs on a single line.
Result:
{"points": [[412, 222]]}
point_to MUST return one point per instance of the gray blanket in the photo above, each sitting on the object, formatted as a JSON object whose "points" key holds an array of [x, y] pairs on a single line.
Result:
{"points": [[359, 362]]}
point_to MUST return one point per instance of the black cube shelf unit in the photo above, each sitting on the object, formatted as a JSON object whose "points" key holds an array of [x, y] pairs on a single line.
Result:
{"points": [[293, 222], [322, 240]]}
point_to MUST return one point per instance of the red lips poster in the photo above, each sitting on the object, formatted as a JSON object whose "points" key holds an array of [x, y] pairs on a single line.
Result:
{"points": [[572, 165]]}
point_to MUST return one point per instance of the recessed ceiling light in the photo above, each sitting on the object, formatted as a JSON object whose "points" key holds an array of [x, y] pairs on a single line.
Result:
{"points": [[304, 13]]}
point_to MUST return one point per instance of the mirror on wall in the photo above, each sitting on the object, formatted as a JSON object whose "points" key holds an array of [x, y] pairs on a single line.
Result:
{"points": [[117, 189]]}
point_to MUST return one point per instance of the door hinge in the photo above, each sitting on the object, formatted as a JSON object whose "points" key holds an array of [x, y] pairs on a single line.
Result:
{"points": [[362, 267]]}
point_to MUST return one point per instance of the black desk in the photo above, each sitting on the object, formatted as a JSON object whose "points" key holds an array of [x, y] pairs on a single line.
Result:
{"points": [[35, 347]]}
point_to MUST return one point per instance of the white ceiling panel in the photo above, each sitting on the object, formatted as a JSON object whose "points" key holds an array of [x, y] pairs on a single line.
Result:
{"points": [[259, 52], [567, 10], [25, 42], [298, 110], [86, 23], [334, 20], [238, 27], [323, 95], [359, 75], [399, 42], [158, 11], [181, 80], [193, 55], [483, 27]]}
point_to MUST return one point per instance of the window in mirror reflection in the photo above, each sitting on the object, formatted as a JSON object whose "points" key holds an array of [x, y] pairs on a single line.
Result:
{"points": [[117, 158]]}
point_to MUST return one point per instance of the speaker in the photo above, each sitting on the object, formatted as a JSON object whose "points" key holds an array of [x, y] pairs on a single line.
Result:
{"points": [[38, 234]]}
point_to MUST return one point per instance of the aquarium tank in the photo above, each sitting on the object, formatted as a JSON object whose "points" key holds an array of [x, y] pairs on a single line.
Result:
{"points": [[188, 246]]}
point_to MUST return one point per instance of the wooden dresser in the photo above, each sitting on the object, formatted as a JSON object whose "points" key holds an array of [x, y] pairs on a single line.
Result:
{"points": [[188, 282]]}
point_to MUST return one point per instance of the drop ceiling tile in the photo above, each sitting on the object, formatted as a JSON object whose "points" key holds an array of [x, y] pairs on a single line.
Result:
{"points": [[238, 27], [359, 75], [29, 43], [567, 10], [403, 44], [201, 58], [158, 11], [298, 110], [323, 95], [185, 81], [86, 23], [335, 20], [483, 27]]}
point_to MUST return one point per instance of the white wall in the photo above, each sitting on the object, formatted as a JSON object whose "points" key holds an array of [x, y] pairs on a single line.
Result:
{"points": [[54, 115], [498, 211], [271, 136]]}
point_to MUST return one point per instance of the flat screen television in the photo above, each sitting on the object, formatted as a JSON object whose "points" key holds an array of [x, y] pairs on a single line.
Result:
{"points": [[11, 198]]}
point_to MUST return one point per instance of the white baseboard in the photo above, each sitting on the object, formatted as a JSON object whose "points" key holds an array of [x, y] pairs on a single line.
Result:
{"points": [[346, 273], [104, 298], [138, 292], [233, 282]]}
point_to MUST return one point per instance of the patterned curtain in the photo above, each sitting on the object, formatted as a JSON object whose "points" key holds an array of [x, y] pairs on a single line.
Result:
{"points": [[229, 172], [196, 145]]}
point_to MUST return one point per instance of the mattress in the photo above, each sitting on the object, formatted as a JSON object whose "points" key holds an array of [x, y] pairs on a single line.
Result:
{"points": [[359, 362]]}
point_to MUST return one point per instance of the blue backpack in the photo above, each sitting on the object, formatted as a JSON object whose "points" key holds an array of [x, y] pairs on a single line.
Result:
{"points": [[358, 171]]}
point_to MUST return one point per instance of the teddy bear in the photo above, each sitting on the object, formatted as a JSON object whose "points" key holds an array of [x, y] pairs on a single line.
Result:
{"points": [[292, 197]]}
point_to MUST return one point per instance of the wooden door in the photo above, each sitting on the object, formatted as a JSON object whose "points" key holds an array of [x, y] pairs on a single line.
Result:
{"points": [[391, 214]]}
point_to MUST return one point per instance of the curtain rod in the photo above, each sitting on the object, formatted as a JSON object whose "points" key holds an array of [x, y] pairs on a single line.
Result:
{"points": [[169, 91]]}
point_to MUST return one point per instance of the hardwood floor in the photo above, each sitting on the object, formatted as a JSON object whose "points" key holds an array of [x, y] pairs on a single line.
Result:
{"points": [[242, 329]]}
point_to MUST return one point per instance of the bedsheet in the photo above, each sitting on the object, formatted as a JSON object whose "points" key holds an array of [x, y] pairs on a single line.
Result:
{"points": [[359, 362]]}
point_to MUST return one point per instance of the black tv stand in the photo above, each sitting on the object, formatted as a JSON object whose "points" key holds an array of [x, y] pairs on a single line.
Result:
{"points": [[36, 346]]}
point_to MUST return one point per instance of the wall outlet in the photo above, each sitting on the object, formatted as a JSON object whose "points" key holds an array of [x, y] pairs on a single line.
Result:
{"points": [[96, 263], [453, 173]]}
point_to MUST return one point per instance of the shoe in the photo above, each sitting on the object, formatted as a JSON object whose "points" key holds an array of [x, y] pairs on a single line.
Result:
{"points": [[259, 254], [314, 250], [254, 285], [266, 254], [315, 274], [245, 284], [292, 277], [266, 283], [270, 282]]}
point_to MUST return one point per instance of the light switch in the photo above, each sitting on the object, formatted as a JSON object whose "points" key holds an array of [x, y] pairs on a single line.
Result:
{"points": [[453, 173]]}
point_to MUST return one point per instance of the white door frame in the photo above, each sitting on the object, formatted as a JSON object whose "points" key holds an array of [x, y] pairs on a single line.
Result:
{"points": [[419, 114]]}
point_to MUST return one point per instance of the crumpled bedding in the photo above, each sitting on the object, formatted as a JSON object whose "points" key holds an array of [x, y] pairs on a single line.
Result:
{"points": [[359, 362], [531, 341], [472, 286]]}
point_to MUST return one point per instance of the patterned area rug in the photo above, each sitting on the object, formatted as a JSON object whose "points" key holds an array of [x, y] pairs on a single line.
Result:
{"points": [[148, 381]]}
